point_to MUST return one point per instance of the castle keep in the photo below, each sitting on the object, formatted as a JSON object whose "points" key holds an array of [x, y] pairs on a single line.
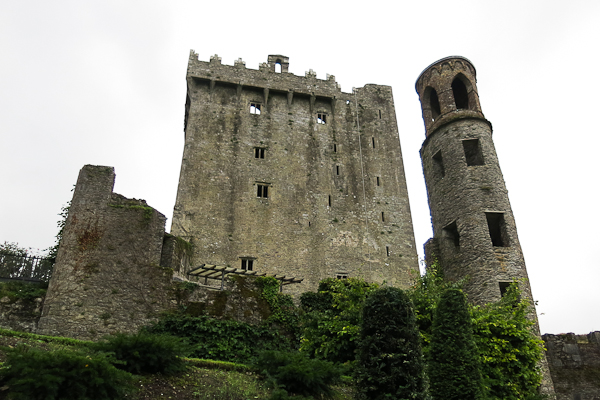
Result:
{"points": [[288, 175]]}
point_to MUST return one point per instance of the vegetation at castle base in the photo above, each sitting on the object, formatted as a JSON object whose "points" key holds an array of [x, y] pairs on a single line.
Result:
{"points": [[453, 362], [223, 340], [202, 379], [32, 374], [284, 314], [390, 362], [144, 353], [509, 350], [16, 290], [332, 318], [293, 373]]}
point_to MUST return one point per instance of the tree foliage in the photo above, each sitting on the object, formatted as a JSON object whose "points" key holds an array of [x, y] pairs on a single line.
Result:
{"points": [[509, 349], [390, 362], [331, 320], [453, 361]]}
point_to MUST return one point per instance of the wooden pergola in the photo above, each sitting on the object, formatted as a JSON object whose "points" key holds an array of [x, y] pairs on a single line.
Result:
{"points": [[211, 271]]}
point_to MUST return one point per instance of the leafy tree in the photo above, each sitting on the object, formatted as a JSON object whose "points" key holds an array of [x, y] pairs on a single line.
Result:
{"points": [[510, 351], [332, 318], [390, 363], [453, 362], [425, 296]]}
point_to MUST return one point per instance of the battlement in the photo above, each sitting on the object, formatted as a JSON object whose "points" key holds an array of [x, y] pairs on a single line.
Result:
{"points": [[272, 75]]}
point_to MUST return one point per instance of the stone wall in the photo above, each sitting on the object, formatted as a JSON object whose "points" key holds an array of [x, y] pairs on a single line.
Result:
{"points": [[107, 276], [20, 314], [336, 203], [574, 362]]}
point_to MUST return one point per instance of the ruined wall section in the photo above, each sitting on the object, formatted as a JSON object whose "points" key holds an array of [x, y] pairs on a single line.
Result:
{"points": [[574, 362], [107, 277], [328, 184]]}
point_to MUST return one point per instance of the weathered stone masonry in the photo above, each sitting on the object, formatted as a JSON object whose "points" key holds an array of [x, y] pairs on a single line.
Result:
{"points": [[292, 174]]}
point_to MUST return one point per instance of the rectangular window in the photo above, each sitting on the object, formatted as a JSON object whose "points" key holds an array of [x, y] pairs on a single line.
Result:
{"points": [[335, 148], [329, 200], [497, 229], [378, 182], [473, 152], [247, 264], [373, 141], [387, 250], [255, 108], [451, 232], [382, 217], [379, 114], [438, 164], [259, 152], [341, 275], [321, 118], [262, 190], [337, 169]]}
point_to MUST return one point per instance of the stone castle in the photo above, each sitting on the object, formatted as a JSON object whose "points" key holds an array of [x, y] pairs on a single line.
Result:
{"points": [[289, 176]]}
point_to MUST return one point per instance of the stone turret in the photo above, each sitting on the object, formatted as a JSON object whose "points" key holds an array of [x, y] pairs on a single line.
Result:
{"points": [[474, 231]]}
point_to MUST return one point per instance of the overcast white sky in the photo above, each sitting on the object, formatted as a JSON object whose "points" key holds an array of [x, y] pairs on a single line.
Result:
{"points": [[103, 82]]}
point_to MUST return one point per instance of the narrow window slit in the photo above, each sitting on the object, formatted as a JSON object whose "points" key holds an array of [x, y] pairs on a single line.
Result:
{"points": [[378, 182], [382, 217], [329, 200], [438, 164], [337, 169], [373, 141], [497, 229], [387, 250]]}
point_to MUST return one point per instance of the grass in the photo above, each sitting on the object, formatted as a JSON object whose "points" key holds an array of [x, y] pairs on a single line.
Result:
{"points": [[203, 379]]}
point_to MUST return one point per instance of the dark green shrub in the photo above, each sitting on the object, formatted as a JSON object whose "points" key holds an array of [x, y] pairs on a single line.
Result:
{"points": [[144, 352], [222, 340], [298, 374], [390, 363], [332, 318], [453, 361], [32, 374]]}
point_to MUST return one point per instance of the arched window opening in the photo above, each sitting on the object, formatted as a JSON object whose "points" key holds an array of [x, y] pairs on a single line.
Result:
{"points": [[278, 66], [434, 104], [461, 95]]}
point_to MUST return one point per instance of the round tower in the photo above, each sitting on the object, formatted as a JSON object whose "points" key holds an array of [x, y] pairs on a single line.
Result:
{"points": [[474, 231]]}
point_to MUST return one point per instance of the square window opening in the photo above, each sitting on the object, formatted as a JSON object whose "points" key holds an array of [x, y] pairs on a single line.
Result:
{"points": [[321, 118], [473, 153], [259, 152], [247, 264], [262, 191], [438, 164], [255, 108], [451, 232], [497, 229]]}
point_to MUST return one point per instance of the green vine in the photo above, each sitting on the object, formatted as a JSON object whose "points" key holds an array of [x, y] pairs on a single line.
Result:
{"points": [[284, 312]]}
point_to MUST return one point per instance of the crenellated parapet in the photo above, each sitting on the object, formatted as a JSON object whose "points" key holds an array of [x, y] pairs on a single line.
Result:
{"points": [[268, 76]]}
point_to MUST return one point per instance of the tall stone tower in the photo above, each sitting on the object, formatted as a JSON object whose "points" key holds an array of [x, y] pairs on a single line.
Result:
{"points": [[288, 175], [474, 231]]}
